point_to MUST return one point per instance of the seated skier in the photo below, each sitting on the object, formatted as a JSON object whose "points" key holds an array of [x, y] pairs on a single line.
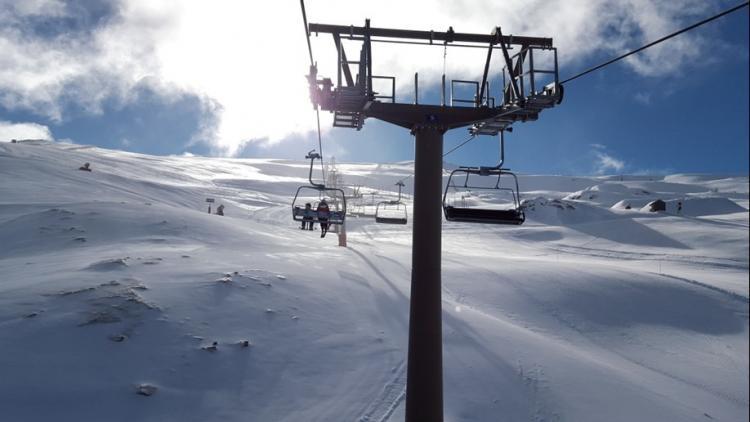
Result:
{"points": [[323, 215], [307, 217]]}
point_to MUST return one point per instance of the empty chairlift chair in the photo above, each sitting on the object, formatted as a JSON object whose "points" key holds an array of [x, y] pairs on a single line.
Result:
{"points": [[313, 194], [392, 212], [488, 195], [475, 202]]}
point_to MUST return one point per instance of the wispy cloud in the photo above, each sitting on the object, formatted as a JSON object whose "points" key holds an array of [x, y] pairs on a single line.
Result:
{"points": [[248, 61], [606, 163], [642, 97]]}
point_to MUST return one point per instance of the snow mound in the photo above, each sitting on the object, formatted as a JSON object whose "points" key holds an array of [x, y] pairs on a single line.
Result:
{"points": [[109, 264], [553, 211], [622, 205], [608, 194]]}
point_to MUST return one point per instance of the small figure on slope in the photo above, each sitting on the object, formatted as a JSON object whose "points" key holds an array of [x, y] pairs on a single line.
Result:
{"points": [[85, 167], [323, 214], [220, 210]]}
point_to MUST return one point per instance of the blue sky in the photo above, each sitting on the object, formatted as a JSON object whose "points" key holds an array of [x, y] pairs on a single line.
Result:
{"points": [[681, 108]]}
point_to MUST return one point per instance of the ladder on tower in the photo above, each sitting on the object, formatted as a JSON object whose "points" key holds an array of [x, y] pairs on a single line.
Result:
{"points": [[347, 119], [349, 102]]}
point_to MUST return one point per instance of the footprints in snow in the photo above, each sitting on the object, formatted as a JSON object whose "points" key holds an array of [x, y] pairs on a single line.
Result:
{"points": [[214, 347], [257, 277], [147, 389]]}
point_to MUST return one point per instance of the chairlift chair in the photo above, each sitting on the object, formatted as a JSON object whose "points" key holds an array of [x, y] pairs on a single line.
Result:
{"points": [[466, 213], [508, 212], [313, 194], [392, 212]]}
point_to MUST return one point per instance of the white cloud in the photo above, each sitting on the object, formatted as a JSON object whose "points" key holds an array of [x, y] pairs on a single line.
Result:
{"points": [[10, 131], [248, 59], [607, 163], [45, 74]]}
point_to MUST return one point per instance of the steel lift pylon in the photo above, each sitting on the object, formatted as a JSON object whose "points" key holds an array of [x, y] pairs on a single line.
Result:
{"points": [[352, 100]]}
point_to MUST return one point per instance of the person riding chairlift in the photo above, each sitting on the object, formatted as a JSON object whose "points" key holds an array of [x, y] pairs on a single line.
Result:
{"points": [[323, 215], [307, 217]]}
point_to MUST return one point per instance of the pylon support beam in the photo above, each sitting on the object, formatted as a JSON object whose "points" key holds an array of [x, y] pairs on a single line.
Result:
{"points": [[408, 115], [431, 36]]}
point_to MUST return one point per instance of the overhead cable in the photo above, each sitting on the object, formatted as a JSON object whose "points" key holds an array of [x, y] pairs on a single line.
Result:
{"points": [[317, 111], [653, 43], [460, 145], [307, 32]]}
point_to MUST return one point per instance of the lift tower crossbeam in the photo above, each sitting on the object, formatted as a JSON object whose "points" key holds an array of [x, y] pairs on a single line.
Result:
{"points": [[449, 36], [355, 101]]}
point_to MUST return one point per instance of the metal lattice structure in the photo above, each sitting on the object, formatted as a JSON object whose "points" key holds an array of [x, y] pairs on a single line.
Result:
{"points": [[352, 98]]}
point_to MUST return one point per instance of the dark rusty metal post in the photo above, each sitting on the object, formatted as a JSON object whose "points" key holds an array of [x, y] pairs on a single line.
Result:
{"points": [[424, 384]]}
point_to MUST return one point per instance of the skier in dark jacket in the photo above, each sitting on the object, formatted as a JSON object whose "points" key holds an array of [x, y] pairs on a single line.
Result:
{"points": [[323, 215]]}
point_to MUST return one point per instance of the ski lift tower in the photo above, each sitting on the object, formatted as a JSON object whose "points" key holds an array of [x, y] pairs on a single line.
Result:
{"points": [[352, 100]]}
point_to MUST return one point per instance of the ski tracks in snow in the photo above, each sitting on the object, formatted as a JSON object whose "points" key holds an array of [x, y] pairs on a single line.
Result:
{"points": [[731, 295], [393, 393], [717, 262]]}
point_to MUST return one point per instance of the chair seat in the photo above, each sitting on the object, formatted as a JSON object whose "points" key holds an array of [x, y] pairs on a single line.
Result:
{"points": [[334, 217], [488, 216], [390, 220]]}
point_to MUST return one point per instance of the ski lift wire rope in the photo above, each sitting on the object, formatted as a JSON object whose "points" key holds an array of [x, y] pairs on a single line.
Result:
{"points": [[317, 110], [660, 40]]}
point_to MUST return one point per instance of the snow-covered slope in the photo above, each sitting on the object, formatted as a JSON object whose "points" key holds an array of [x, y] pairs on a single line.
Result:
{"points": [[118, 278]]}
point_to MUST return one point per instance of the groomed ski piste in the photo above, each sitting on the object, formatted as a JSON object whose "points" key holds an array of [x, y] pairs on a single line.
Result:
{"points": [[122, 299]]}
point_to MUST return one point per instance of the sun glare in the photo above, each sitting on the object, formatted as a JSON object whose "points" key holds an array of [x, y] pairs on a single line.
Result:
{"points": [[241, 58]]}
